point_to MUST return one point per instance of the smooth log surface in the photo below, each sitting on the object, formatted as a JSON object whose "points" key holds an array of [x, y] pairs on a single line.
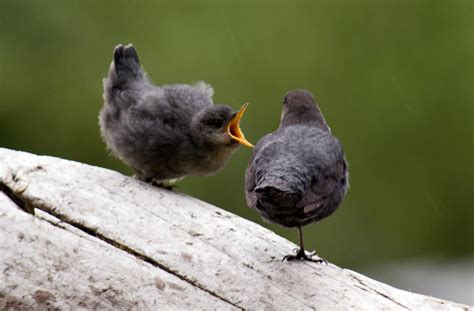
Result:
{"points": [[77, 236]]}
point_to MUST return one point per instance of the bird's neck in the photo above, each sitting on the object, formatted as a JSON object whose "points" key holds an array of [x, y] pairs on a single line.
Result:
{"points": [[310, 117]]}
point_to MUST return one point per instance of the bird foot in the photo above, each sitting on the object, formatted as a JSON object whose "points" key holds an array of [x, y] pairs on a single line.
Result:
{"points": [[301, 255], [163, 185], [155, 183]]}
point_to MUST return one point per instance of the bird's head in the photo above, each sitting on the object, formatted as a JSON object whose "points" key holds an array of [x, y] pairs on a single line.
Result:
{"points": [[219, 125], [299, 107]]}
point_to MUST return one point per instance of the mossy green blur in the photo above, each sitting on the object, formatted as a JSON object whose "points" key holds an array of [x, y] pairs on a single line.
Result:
{"points": [[393, 78]]}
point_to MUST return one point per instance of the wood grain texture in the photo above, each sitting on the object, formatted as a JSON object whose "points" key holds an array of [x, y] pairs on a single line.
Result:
{"points": [[45, 266], [120, 243]]}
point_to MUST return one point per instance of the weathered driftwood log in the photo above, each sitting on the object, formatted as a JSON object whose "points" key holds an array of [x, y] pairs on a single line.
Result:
{"points": [[77, 236]]}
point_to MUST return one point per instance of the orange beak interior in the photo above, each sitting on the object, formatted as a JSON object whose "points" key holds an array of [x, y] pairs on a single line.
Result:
{"points": [[233, 128]]}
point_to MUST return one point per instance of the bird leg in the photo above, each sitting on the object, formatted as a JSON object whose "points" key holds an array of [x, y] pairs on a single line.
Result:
{"points": [[301, 254]]}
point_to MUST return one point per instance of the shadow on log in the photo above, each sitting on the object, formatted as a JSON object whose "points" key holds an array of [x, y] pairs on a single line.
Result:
{"points": [[78, 236]]}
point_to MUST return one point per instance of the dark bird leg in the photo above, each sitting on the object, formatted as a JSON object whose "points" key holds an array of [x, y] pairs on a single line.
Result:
{"points": [[301, 254]]}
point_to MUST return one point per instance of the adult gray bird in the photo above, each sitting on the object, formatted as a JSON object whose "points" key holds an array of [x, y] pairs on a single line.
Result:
{"points": [[298, 174], [165, 132]]}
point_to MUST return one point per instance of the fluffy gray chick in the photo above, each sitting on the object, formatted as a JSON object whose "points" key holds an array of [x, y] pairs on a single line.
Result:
{"points": [[298, 174], [165, 132]]}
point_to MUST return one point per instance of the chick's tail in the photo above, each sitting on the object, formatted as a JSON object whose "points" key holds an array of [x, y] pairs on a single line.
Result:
{"points": [[125, 73]]}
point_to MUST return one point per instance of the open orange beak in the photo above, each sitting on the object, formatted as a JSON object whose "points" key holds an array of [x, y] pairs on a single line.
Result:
{"points": [[233, 128]]}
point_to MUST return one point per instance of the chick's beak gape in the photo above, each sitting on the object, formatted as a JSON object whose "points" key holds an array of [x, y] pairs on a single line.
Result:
{"points": [[233, 128]]}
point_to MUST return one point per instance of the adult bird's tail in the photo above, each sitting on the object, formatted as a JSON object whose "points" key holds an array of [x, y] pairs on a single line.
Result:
{"points": [[125, 72], [271, 196]]}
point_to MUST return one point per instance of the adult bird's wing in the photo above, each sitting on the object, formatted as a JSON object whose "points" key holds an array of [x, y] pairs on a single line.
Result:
{"points": [[328, 185], [250, 173], [269, 184]]}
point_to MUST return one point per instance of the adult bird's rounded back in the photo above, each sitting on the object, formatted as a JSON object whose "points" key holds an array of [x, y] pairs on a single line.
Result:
{"points": [[298, 174]]}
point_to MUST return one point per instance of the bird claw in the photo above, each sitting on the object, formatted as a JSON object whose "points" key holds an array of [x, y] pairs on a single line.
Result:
{"points": [[301, 255], [289, 258], [155, 183], [163, 185]]}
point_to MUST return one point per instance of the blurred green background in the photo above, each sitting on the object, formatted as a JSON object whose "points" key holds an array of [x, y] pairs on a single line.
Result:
{"points": [[393, 78]]}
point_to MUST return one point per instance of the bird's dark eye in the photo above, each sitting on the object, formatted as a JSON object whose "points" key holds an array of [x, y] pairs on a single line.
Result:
{"points": [[215, 122]]}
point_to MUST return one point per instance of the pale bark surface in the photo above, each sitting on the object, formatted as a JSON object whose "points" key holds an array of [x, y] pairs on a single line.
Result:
{"points": [[101, 240]]}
